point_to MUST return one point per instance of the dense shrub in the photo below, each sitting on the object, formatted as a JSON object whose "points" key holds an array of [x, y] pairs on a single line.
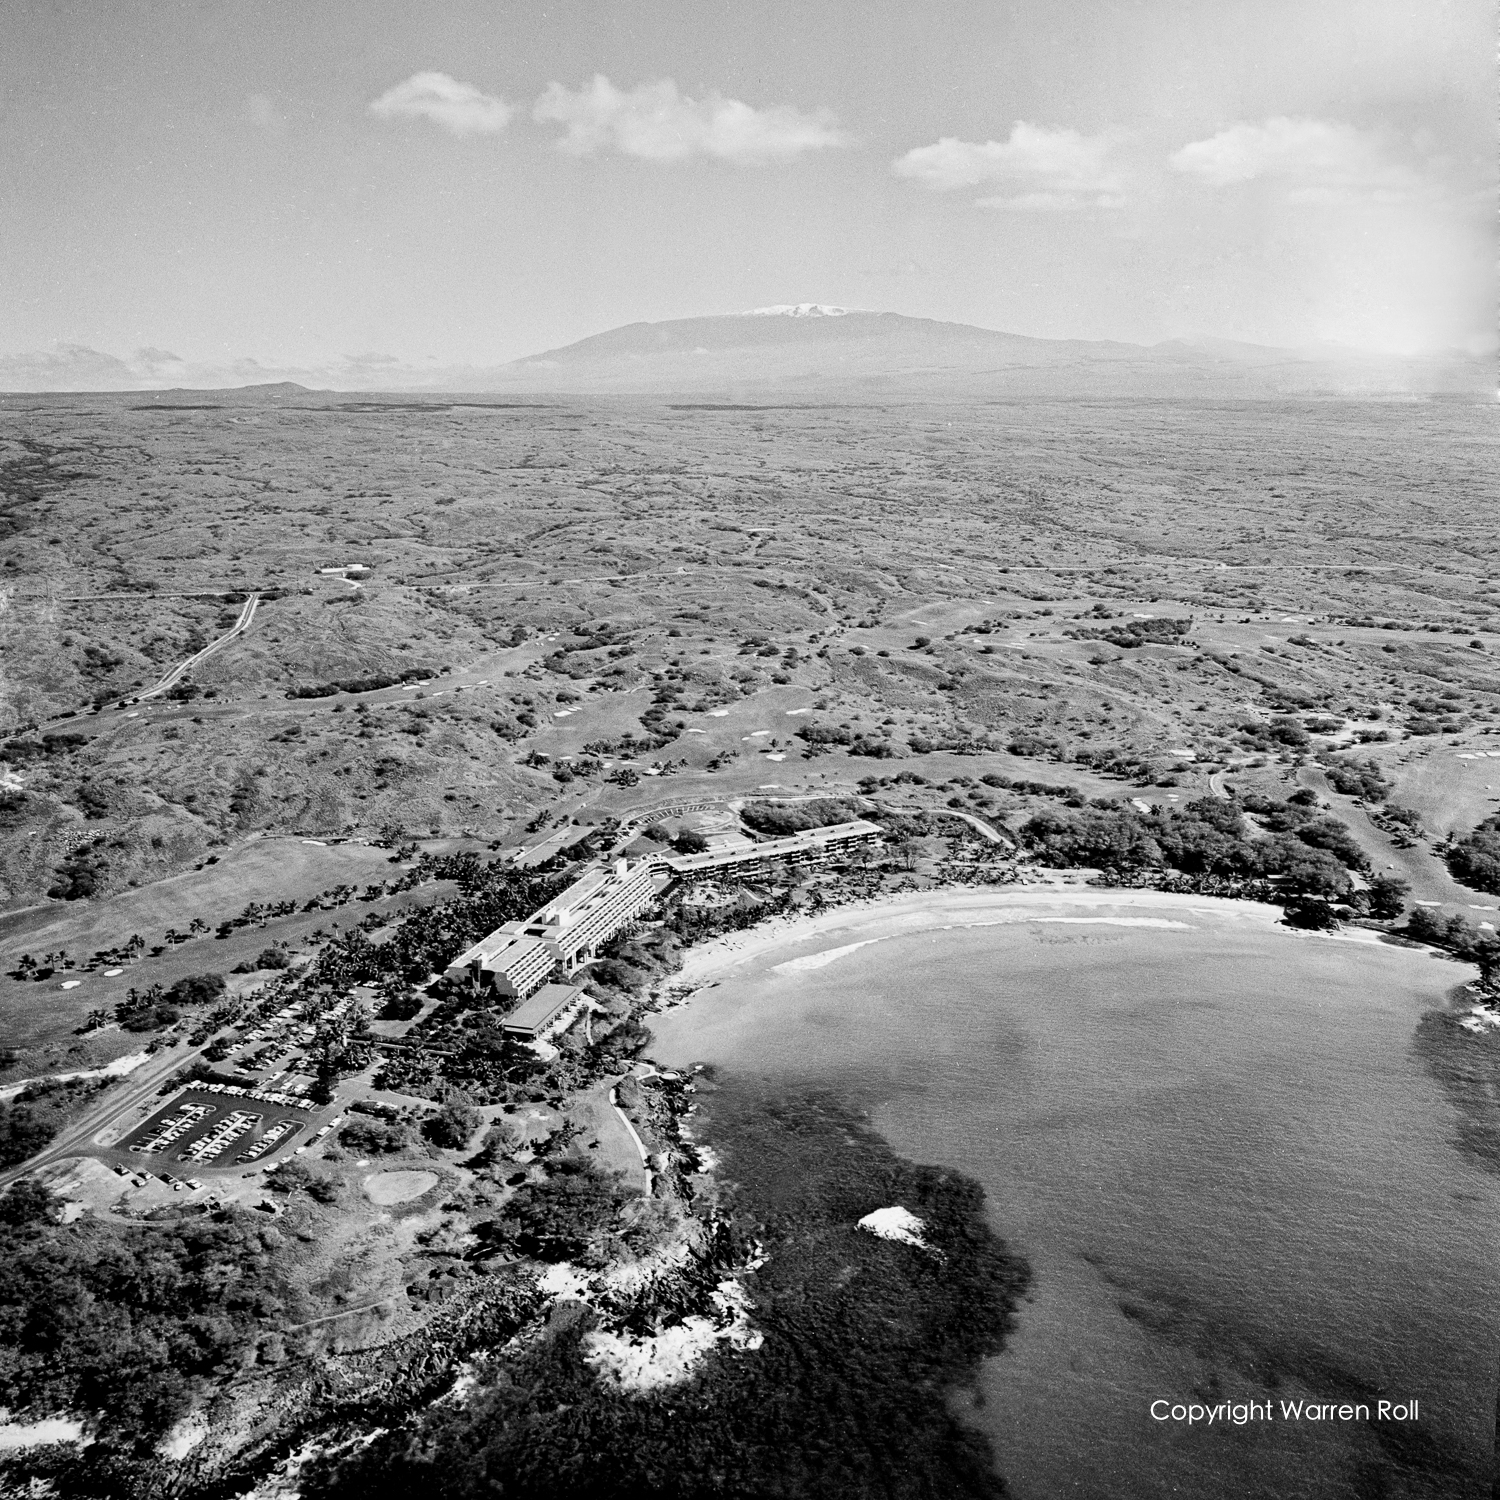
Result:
{"points": [[1305, 852], [1387, 897], [80, 874], [145, 1015], [369, 684], [18, 751], [825, 734], [1460, 937], [778, 819], [1357, 778], [196, 989], [1129, 634], [452, 1125], [91, 801], [126, 1322], [401, 1005], [374, 1136], [1104, 838], [22, 1134], [559, 1218], [1475, 858]]}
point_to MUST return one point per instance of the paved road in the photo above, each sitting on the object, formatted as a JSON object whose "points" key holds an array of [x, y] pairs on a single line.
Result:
{"points": [[240, 626], [76, 1139], [978, 825]]}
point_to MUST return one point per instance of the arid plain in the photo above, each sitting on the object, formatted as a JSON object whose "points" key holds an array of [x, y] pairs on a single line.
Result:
{"points": [[736, 571], [288, 675]]}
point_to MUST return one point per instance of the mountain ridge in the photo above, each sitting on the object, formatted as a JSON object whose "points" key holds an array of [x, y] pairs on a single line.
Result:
{"points": [[807, 348]]}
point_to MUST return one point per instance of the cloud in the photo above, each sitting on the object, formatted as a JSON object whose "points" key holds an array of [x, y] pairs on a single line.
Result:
{"points": [[656, 123], [153, 363], [459, 108], [65, 367], [1046, 170], [1313, 159]]}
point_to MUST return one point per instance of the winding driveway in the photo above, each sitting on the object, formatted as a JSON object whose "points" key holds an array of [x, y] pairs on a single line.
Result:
{"points": [[240, 626]]}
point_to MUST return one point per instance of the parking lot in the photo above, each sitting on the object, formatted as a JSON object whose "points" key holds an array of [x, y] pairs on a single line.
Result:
{"points": [[211, 1127]]}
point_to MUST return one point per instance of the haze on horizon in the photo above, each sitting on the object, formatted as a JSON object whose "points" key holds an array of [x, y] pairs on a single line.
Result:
{"points": [[378, 185]]}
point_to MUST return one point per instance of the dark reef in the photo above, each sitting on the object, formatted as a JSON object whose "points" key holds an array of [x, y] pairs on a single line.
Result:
{"points": [[1467, 1065], [848, 1396]]}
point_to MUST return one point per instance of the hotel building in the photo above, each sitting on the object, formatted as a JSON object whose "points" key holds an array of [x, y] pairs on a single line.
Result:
{"points": [[518, 956], [812, 846]]}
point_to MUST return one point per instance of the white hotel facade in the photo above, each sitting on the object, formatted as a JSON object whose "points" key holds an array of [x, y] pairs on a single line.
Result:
{"points": [[516, 958]]}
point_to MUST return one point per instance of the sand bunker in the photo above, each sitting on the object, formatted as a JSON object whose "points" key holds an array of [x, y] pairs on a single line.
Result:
{"points": [[398, 1187]]}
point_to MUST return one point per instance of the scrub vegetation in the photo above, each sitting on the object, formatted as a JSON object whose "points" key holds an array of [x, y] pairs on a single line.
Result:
{"points": [[496, 643], [846, 1396]]}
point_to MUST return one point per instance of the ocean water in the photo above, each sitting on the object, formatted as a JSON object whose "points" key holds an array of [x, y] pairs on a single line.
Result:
{"points": [[1232, 1177]]}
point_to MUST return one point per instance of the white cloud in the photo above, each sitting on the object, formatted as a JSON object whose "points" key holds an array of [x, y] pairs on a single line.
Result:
{"points": [[459, 108], [656, 123], [1045, 169], [1312, 159]]}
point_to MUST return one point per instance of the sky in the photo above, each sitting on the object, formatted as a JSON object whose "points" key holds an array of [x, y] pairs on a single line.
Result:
{"points": [[472, 181]]}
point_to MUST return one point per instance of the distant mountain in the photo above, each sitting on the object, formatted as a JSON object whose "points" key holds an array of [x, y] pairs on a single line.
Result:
{"points": [[802, 351], [807, 348], [268, 390], [802, 341]]}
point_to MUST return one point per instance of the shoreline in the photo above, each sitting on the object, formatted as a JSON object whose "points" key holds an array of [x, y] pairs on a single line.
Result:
{"points": [[885, 917]]}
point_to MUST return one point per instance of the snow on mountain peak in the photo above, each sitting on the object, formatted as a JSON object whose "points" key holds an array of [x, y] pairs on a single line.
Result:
{"points": [[798, 310]]}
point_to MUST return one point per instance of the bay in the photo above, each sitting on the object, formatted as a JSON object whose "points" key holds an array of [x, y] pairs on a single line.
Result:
{"points": [[1231, 1173]]}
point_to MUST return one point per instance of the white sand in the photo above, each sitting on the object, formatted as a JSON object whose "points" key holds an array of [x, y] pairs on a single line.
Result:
{"points": [[864, 922], [117, 1069], [818, 960]]}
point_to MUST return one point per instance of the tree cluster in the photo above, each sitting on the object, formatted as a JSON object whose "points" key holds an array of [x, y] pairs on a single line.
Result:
{"points": [[1304, 852], [1475, 858], [126, 1322], [780, 819]]}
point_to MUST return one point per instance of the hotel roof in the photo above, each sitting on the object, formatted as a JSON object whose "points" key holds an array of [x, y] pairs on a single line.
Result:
{"points": [[796, 843], [547, 1002]]}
